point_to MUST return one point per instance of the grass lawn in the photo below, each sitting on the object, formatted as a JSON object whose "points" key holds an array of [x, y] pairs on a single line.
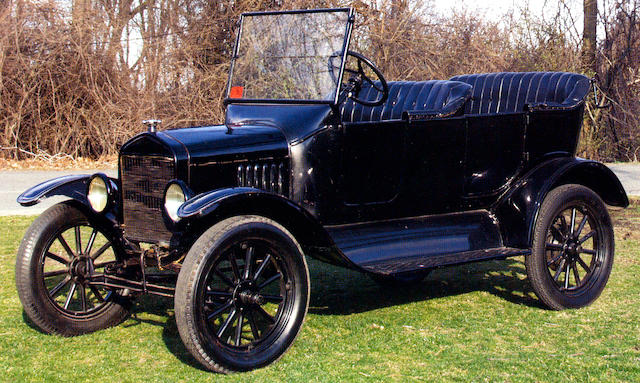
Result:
{"points": [[479, 322]]}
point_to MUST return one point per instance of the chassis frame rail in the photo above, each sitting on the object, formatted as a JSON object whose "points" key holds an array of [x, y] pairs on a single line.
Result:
{"points": [[113, 281]]}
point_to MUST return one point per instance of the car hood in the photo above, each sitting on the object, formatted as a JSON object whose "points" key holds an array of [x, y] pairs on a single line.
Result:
{"points": [[229, 142], [205, 157]]}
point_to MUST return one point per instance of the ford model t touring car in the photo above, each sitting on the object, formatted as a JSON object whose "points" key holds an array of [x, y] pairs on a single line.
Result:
{"points": [[320, 156]]}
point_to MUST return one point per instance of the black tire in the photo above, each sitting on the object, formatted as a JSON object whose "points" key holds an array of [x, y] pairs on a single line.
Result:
{"points": [[216, 292], [573, 235], [48, 270]]}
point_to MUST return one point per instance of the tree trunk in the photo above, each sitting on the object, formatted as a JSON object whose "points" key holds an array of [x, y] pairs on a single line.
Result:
{"points": [[589, 36]]}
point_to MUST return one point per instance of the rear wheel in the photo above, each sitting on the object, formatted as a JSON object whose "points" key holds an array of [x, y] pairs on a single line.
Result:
{"points": [[242, 294], [59, 252], [573, 248]]}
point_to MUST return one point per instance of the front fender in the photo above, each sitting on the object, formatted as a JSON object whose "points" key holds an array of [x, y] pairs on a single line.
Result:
{"points": [[204, 204], [206, 209], [72, 186], [517, 210]]}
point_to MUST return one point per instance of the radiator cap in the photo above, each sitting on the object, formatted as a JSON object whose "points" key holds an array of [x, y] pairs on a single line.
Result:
{"points": [[152, 125]]}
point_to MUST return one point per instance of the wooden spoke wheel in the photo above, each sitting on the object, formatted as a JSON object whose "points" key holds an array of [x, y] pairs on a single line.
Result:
{"points": [[61, 250], [242, 294], [573, 248]]}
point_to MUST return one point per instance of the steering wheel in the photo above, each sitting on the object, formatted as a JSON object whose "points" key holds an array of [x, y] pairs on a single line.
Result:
{"points": [[357, 77]]}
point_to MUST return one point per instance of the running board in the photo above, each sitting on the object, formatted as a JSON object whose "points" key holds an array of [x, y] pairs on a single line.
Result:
{"points": [[407, 265], [417, 243]]}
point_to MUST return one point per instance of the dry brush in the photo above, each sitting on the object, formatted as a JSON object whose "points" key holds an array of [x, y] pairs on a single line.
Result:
{"points": [[78, 81]]}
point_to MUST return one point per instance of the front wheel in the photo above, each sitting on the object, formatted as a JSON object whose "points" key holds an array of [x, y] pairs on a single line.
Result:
{"points": [[59, 253], [242, 294], [573, 247]]}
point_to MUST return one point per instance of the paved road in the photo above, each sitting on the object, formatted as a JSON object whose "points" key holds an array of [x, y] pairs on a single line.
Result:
{"points": [[629, 175], [14, 182]]}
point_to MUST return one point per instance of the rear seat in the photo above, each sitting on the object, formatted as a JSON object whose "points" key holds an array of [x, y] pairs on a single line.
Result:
{"points": [[421, 99], [510, 92]]}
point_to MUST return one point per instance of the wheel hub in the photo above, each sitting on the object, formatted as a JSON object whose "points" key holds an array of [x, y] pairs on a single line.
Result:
{"points": [[79, 268], [572, 248], [246, 293]]}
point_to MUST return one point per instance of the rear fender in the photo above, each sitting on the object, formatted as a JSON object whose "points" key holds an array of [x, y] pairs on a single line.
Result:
{"points": [[204, 210], [517, 210]]}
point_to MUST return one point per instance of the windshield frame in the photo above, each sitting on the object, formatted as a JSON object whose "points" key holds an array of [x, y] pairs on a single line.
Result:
{"points": [[345, 49]]}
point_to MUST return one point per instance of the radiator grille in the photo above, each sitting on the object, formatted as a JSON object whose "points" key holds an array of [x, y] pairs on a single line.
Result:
{"points": [[269, 175], [144, 179]]}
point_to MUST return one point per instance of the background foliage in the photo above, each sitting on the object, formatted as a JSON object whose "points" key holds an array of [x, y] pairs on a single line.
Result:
{"points": [[77, 77]]}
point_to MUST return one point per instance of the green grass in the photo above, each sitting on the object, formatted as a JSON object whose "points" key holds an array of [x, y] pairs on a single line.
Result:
{"points": [[479, 322]]}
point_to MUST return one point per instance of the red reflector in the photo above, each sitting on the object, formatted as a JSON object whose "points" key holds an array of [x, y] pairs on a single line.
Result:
{"points": [[236, 92]]}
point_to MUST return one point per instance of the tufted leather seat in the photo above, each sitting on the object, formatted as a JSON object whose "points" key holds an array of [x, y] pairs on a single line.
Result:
{"points": [[435, 98], [518, 91]]}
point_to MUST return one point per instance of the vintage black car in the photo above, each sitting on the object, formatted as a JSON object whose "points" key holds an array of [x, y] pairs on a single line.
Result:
{"points": [[319, 156]]}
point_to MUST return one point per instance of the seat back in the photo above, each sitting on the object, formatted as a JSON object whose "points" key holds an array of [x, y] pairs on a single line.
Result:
{"points": [[433, 96], [509, 92]]}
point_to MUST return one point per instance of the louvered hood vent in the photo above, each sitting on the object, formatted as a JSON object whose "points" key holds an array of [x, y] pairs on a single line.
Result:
{"points": [[266, 175]]}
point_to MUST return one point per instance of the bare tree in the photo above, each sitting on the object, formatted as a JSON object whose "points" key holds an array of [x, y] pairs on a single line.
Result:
{"points": [[69, 83], [589, 37]]}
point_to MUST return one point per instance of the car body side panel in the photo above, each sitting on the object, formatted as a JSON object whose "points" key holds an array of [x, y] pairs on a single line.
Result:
{"points": [[349, 173], [518, 208], [553, 131], [435, 166], [373, 163]]}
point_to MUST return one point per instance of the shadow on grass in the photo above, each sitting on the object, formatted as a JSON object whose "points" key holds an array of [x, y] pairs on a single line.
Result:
{"points": [[30, 323], [163, 307], [172, 339], [337, 291]]}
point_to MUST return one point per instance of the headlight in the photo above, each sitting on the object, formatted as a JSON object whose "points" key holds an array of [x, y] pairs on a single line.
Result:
{"points": [[173, 198], [98, 193]]}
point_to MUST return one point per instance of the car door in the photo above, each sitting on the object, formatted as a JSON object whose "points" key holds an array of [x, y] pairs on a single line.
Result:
{"points": [[495, 152], [435, 165], [373, 159]]}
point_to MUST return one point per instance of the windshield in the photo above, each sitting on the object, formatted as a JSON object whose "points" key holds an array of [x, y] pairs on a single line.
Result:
{"points": [[292, 56]]}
